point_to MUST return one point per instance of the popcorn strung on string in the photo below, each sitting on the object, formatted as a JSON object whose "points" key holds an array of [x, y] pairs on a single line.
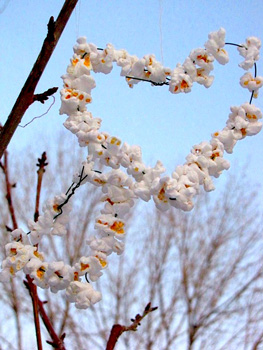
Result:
{"points": [[181, 80], [250, 51], [46, 224], [251, 83], [121, 189]]}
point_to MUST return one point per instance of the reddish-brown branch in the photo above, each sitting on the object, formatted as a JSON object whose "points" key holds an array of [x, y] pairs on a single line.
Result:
{"points": [[38, 308], [11, 209], [26, 96], [16, 308], [45, 95], [42, 162], [118, 329], [56, 342], [32, 288], [258, 341], [15, 299]]}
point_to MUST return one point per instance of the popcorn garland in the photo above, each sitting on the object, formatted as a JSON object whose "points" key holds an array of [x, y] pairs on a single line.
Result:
{"points": [[120, 189]]}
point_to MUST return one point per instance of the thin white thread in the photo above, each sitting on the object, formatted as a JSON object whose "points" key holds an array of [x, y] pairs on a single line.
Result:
{"points": [[160, 27], [39, 116], [77, 18]]}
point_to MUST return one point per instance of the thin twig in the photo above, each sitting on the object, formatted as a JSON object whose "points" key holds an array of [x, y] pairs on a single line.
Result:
{"points": [[118, 329], [15, 299], [16, 308], [45, 95], [32, 288], [56, 342], [38, 308], [9, 187], [42, 163]]}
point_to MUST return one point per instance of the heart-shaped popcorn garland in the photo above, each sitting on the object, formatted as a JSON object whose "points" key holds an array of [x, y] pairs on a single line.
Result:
{"points": [[120, 189]]}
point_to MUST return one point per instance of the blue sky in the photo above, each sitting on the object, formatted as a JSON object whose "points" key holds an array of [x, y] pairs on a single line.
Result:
{"points": [[164, 125]]}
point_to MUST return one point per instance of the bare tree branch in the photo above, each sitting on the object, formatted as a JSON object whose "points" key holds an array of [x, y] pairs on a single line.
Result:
{"points": [[118, 329], [9, 186], [26, 96], [56, 341], [32, 288], [45, 95], [42, 163]]}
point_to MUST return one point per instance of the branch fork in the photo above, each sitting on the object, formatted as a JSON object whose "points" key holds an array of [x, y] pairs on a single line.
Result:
{"points": [[118, 329]]}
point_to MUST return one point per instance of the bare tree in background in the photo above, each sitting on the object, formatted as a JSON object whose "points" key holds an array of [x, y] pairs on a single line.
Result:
{"points": [[15, 297], [203, 269]]}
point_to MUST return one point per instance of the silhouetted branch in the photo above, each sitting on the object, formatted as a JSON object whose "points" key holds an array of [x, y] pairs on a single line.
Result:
{"points": [[56, 342], [41, 164], [118, 329], [9, 186], [26, 96], [45, 95], [32, 288]]}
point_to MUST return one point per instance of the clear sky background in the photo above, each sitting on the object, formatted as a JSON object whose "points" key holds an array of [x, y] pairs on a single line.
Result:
{"points": [[163, 124]]}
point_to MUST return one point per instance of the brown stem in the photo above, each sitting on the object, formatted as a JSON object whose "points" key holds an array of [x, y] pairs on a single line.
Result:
{"points": [[65, 317], [56, 342], [32, 287], [33, 293], [115, 333], [257, 342], [45, 95], [41, 164], [4, 167], [118, 329], [16, 309], [37, 303], [26, 96], [15, 299]]}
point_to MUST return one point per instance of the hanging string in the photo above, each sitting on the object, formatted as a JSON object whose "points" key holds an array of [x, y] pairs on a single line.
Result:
{"points": [[77, 18], [39, 116], [160, 27]]}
